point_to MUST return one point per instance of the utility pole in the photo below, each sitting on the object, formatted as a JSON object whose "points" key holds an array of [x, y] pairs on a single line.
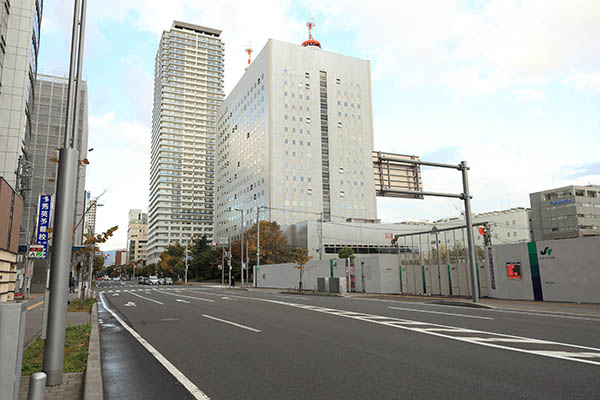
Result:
{"points": [[467, 198], [241, 248], [257, 244], [64, 206], [320, 232], [223, 266], [186, 260], [229, 259], [247, 263]]}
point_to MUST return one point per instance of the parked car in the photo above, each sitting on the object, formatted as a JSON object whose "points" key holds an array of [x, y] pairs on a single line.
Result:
{"points": [[153, 280], [141, 280], [161, 281], [168, 280]]}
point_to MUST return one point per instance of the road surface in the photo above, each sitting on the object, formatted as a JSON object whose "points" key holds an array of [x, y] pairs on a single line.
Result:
{"points": [[210, 342]]}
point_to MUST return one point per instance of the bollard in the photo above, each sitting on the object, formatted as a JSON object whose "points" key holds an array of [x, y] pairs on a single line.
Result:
{"points": [[37, 386]]}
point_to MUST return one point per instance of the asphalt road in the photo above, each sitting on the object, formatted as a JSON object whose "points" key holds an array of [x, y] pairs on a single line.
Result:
{"points": [[202, 342]]}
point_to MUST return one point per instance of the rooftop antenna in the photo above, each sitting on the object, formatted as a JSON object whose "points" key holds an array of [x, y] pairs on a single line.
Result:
{"points": [[311, 42], [248, 50]]}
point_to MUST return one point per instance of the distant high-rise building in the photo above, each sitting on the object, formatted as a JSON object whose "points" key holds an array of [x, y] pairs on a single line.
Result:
{"points": [[20, 22], [90, 216], [48, 129], [565, 212], [137, 236], [295, 136], [188, 90]]}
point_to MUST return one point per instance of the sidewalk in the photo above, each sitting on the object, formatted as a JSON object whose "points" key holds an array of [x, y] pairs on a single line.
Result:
{"points": [[72, 387]]}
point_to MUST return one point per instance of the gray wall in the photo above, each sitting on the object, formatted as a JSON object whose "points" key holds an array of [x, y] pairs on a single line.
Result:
{"points": [[571, 272]]}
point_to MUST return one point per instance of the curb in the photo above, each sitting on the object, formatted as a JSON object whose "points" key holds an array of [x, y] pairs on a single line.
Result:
{"points": [[460, 304], [93, 388]]}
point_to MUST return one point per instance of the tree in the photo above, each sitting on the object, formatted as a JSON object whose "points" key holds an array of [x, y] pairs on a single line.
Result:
{"points": [[98, 263], [172, 261], [203, 262], [301, 258], [274, 248], [347, 254], [90, 247]]}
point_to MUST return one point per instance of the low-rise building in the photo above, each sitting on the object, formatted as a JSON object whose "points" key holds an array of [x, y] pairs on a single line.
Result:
{"points": [[565, 212], [11, 207]]}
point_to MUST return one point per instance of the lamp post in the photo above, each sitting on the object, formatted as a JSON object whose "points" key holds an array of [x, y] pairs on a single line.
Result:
{"points": [[241, 248], [54, 345], [186, 257], [257, 243]]}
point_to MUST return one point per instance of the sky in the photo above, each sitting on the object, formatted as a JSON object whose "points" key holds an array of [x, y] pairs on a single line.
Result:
{"points": [[512, 87]]}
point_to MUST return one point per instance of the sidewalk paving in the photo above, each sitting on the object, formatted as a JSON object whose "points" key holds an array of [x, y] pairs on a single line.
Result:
{"points": [[72, 387]]}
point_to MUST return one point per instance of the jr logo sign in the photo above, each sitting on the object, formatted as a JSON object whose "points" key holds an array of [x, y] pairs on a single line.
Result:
{"points": [[547, 250]]}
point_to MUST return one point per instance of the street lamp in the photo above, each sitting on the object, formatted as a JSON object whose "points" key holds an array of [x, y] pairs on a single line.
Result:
{"points": [[241, 248], [186, 257]]}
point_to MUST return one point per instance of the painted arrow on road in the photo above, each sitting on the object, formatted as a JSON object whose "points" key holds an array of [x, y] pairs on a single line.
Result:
{"points": [[182, 301], [130, 304]]}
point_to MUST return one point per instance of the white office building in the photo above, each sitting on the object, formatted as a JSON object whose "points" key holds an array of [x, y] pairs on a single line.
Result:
{"points": [[295, 136], [188, 90]]}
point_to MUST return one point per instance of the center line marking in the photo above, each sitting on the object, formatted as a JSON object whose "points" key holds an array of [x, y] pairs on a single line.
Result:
{"points": [[439, 312], [145, 298], [232, 323]]}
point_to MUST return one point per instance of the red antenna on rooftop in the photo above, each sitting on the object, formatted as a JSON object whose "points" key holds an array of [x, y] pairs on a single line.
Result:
{"points": [[248, 50], [311, 42]]}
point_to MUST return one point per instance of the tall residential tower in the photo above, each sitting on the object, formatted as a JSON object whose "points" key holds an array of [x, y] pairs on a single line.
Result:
{"points": [[295, 136], [188, 90]]}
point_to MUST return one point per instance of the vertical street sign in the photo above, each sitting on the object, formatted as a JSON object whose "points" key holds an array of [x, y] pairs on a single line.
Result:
{"points": [[43, 222]]}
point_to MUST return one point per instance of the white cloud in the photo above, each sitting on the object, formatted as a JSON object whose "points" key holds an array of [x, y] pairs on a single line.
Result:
{"points": [[413, 81], [585, 82], [470, 81], [118, 163], [530, 95]]}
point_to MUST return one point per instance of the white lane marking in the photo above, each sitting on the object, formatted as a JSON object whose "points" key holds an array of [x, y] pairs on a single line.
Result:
{"points": [[232, 323], [182, 301], [145, 298], [292, 297], [169, 319], [130, 304], [189, 385], [183, 295], [409, 325], [551, 314], [509, 340], [115, 294], [554, 315], [439, 312]]}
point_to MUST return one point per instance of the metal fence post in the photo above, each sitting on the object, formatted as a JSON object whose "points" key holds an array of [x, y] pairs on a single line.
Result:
{"points": [[467, 198]]}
